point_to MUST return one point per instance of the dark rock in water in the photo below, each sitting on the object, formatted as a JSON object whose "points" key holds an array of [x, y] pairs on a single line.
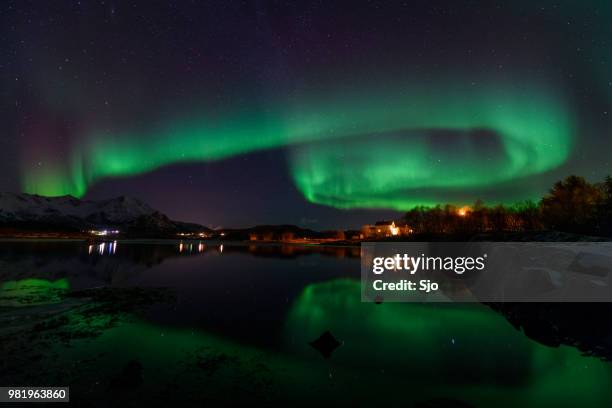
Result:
{"points": [[443, 403], [326, 344], [585, 326], [129, 378], [213, 362], [591, 264]]}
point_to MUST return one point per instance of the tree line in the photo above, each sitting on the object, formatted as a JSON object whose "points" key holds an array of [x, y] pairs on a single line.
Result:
{"points": [[571, 205]]}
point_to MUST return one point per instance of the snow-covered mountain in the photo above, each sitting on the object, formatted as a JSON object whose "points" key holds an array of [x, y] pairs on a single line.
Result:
{"points": [[70, 213]]}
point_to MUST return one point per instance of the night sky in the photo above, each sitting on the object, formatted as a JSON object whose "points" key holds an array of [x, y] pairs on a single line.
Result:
{"points": [[323, 114]]}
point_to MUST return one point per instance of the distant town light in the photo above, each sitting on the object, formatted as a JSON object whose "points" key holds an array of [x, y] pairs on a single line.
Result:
{"points": [[104, 232]]}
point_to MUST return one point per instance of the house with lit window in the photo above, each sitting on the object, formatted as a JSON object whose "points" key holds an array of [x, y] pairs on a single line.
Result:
{"points": [[384, 229]]}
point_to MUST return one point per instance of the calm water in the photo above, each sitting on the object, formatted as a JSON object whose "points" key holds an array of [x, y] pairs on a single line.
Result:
{"points": [[232, 323]]}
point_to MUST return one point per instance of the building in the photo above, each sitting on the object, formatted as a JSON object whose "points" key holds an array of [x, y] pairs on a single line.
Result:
{"points": [[384, 229]]}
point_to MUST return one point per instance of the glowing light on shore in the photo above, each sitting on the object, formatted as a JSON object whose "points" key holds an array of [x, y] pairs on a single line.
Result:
{"points": [[394, 230], [463, 211]]}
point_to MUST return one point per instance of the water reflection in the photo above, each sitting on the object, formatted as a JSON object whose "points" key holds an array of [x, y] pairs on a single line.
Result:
{"points": [[188, 247], [117, 262], [268, 250], [102, 248], [240, 307], [445, 349], [32, 291]]}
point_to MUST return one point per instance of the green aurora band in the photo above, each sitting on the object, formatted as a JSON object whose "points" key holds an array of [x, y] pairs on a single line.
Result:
{"points": [[339, 153]]}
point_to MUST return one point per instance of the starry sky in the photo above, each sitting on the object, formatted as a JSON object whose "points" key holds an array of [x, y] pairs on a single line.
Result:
{"points": [[321, 114]]}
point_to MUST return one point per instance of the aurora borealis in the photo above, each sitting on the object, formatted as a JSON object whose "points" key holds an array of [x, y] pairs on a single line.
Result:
{"points": [[365, 107], [529, 133], [534, 136]]}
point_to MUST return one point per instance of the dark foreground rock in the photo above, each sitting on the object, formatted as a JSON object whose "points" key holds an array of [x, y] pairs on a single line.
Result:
{"points": [[586, 326]]}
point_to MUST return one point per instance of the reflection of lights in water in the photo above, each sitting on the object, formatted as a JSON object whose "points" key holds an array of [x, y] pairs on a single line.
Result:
{"points": [[101, 248], [221, 248], [185, 247], [192, 247]]}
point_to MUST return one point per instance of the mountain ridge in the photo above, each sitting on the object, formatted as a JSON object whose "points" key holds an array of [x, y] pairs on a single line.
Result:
{"points": [[68, 213]]}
